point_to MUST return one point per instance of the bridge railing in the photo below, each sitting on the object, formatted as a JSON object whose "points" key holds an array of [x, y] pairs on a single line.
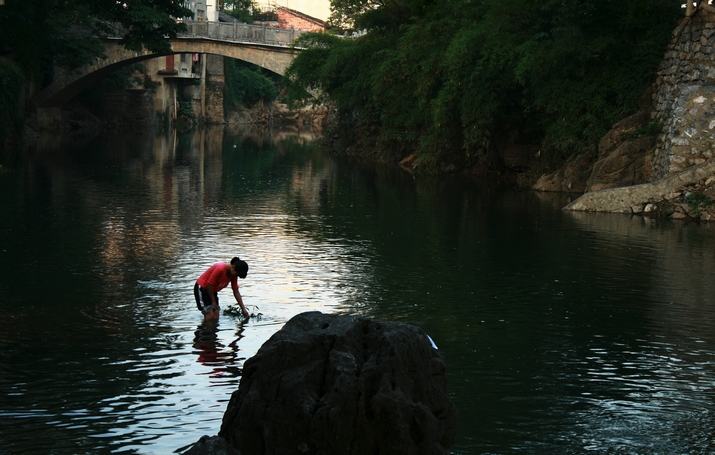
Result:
{"points": [[238, 32]]}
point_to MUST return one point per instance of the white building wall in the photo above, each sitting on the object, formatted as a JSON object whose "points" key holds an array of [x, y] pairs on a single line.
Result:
{"points": [[204, 10]]}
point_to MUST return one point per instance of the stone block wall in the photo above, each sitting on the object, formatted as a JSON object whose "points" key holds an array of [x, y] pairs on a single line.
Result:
{"points": [[684, 98], [164, 94]]}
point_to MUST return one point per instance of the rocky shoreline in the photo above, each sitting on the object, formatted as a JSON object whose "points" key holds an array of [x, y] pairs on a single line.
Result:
{"points": [[687, 195]]}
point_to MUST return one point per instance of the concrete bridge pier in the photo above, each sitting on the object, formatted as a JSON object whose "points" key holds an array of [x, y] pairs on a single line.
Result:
{"points": [[49, 118]]}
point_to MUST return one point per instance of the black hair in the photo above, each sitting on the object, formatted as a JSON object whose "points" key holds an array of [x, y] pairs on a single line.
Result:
{"points": [[241, 267], [235, 260]]}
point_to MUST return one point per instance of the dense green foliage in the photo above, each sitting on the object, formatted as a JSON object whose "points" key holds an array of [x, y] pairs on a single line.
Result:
{"points": [[36, 35], [246, 85], [453, 80], [698, 202], [240, 9], [11, 82]]}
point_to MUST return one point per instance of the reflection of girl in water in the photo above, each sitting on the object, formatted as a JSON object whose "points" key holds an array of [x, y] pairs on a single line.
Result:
{"points": [[207, 345], [210, 351]]}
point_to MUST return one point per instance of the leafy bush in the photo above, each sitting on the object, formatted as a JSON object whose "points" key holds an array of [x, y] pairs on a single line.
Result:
{"points": [[186, 109], [698, 202], [651, 129], [241, 15], [246, 85], [452, 82], [11, 84]]}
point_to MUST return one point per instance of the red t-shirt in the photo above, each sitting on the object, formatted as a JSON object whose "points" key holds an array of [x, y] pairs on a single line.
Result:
{"points": [[216, 276]]}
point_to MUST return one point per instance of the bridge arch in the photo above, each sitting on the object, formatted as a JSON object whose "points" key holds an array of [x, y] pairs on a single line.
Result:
{"points": [[272, 57]]}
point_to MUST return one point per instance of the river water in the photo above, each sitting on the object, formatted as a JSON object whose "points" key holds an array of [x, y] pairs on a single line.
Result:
{"points": [[563, 333]]}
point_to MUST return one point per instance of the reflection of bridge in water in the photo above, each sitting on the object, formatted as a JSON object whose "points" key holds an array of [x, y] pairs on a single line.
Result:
{"points": [[268, 47]]}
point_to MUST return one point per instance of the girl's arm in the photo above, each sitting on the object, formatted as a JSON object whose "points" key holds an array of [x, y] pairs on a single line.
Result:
{"points": [[237, 295]]}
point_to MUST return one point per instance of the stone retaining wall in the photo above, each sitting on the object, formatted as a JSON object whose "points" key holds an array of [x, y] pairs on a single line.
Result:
{"points": [[684, 98]]}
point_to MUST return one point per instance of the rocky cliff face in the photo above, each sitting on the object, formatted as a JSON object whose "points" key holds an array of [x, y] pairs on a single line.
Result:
{"points": [[624, 159], [331, 384]]}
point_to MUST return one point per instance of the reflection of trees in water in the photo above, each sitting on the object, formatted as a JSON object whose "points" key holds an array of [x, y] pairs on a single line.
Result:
{"points": [[263, 135], [212, 353]]}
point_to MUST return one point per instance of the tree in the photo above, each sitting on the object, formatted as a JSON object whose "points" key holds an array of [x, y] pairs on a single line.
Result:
{"points": [[240, 9], [344, 12], [454, 80], [367, 14], [145, 23], [40, 33], [246, 85]]}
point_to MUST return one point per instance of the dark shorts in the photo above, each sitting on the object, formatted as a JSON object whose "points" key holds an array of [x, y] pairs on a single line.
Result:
{"points": [[203, 299]]}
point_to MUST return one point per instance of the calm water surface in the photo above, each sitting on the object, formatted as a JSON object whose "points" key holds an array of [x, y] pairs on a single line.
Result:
{"points": [[563, 333]]}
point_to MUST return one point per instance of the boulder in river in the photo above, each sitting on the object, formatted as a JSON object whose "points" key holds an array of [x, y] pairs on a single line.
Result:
{"points": [[211, 445], [328, 384]]}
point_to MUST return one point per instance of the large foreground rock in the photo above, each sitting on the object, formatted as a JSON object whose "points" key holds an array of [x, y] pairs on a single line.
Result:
{"points": [[211, 445], [332, 384]]}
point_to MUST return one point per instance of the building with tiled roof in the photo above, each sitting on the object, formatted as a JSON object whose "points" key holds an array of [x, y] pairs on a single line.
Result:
{"points": [[289, 18]]}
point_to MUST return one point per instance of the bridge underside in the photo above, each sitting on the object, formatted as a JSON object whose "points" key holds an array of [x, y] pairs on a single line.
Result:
{"points": [[66, 87]]}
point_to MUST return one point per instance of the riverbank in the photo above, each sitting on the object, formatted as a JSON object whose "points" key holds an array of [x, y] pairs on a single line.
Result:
{"points": [[659, 161], [685, 195], [365, 144], [80, 122]]}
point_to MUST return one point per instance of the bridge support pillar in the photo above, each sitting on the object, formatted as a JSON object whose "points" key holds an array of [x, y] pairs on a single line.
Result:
{"points": [[49, 118]]}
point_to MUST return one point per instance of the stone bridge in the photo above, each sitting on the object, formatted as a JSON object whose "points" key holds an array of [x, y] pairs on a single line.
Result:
{"points": [[267, 47]]}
